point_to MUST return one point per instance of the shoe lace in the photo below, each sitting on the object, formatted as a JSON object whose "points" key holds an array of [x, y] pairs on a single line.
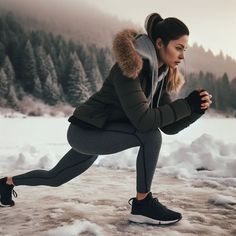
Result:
{"points": [[14, 193], [155, 202], [10, 193], [130, 200]]}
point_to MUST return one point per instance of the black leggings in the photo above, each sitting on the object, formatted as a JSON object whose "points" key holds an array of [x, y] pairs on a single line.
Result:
{"points": [[88, 143]]}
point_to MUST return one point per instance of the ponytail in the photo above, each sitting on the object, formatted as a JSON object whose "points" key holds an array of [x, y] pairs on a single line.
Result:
{"points": [[150, 21]]}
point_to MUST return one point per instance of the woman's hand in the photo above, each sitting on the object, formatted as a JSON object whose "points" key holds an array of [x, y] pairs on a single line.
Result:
{"points": [[199, 101], [206, 99]]}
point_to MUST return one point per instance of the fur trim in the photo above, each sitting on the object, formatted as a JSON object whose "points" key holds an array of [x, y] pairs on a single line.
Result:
{"points": [[125, 54], [131, 63]]}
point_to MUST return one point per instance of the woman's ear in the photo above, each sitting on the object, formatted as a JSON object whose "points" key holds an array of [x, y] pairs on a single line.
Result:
{"points": [[159, 43]]}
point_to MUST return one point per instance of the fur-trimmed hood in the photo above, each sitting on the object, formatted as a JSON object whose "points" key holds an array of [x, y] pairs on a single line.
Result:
{"points": [[125, 54], [130, 48]]}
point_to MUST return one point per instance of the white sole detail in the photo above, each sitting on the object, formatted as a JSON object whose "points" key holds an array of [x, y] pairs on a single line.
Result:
{"points": [[2, 205], [146, 220]]}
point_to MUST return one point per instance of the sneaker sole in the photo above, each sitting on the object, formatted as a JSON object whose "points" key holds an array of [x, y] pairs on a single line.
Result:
{"points": [[2, 205], [6, 205], [146, 220]]}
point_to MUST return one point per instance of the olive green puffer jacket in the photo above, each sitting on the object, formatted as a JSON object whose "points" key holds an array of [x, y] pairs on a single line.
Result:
{"points": [[122, 96]]}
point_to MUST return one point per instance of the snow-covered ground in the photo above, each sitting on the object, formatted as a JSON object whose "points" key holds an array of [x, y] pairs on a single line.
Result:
{"points": [[95, 203]]}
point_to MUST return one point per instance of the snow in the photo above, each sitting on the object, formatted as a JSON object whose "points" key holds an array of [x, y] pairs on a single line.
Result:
{"points": [[221, 199], [196, 175], [205, 152], [77, 228]]}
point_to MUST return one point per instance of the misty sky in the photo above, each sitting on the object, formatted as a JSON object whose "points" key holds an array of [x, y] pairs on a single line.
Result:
{"points": [[211, 22]]}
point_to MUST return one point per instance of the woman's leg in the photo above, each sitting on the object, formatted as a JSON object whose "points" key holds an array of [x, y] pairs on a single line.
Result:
{"points": [[71, 165], [150, 145], [117, 137], [87, 144]]}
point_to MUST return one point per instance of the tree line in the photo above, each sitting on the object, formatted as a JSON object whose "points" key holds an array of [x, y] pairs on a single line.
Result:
{"points": [[55, 70], [47, 67], [222, 89]]}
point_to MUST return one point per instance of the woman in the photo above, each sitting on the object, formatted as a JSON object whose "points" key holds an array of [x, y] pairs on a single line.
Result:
{"points": [[129, 110]]}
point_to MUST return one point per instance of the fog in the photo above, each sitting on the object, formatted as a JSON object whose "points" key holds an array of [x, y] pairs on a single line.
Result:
{"points": [[73, 19], [90, 24]]}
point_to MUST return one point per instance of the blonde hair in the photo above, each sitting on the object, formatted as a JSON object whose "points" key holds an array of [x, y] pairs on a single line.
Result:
{"points": [[175, 80]]}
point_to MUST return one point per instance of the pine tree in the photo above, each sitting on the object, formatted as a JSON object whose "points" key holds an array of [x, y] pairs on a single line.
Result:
{"points": [[209, 82], [8, 84], [85, 58], [61, 60], [105, 61], [211, 87], [8, 68], [12, 100], [77, 92], [41, 61], [61, 70], [88, 57], [50, 97], [29, 72], [94, 75], [10, 74], [51, 68], [4, 85], [223, 89], [57, 89], [38, 90]]}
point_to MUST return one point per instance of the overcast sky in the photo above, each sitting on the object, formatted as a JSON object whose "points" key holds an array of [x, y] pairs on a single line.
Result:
{"points": [[212, 23]]}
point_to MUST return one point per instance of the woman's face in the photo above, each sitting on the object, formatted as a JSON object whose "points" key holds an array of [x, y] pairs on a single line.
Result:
{"points": [[173, 53]]}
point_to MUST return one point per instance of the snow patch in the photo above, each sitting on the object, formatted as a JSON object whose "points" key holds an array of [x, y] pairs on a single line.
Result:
{"points": [[218, 199], [77, 228], [121, 160], [29, 157], [204, 157]]}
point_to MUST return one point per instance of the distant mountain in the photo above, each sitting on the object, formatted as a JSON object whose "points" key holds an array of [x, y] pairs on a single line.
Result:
{"points": [[84, 23]]}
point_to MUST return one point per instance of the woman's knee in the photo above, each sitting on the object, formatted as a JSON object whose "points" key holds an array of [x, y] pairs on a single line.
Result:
{"points": [[154, 136], [73, 137]]}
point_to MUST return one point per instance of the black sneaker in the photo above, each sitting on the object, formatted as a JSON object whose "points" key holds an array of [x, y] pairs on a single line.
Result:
{"points": [[151, 211], [6, 192]]}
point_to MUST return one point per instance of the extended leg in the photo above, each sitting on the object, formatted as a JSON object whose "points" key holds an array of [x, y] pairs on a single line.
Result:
{"points": [[71, 165]]}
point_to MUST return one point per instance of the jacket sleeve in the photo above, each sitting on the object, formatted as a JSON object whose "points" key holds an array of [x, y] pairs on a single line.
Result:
{"points": [[181, 124], [135, 104]]}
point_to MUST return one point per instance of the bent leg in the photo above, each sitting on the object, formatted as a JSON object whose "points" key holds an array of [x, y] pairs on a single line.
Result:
{"points": [[147, 159], [116, 137]]}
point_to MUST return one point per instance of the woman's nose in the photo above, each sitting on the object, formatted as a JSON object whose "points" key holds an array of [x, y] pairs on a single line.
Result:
{"points": [[181, 56]]}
